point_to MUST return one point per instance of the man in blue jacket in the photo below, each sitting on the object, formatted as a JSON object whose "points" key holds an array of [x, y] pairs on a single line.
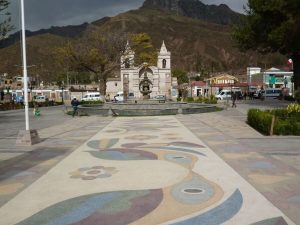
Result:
{"points": [[74, 104]]}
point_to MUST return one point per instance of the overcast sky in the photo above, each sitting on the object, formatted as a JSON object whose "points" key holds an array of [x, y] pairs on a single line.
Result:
{"points": [[46, 13]]}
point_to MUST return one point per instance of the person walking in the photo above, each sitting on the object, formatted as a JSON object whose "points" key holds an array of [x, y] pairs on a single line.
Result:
{"points": [[36, 110], [74, 104], [234, 97]]}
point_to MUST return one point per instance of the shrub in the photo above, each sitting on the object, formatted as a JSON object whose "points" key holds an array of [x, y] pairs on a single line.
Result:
{"points": [[279, 113], [293, 108], [287, 127], [189, 99], [200, 99], [91, 102], [260, 120], [213, 99], [287, 121]]}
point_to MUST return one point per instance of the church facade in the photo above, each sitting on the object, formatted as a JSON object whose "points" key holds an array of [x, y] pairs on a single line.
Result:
{"points": [[146, 81]]}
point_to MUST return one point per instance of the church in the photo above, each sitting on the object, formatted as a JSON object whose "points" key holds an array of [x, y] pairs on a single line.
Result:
{"points": [[145, 81]]}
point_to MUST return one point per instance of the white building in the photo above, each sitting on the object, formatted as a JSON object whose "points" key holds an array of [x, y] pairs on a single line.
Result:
{"points": [[156, 80], [250, 72]]}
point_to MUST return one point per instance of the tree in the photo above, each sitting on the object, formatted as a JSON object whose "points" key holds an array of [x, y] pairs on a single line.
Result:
{"points": [[181, 75], [144, 50], [271, 26], [96, 53], [100, 54], [5, 24], [183, 81]]}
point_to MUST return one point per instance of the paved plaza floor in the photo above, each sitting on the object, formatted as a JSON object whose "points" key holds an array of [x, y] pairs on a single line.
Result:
{"points": [[209, 168]]}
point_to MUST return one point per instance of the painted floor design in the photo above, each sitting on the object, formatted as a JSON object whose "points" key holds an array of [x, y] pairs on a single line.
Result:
{"points": [[17, 173], [270, 164], [146, 170]]}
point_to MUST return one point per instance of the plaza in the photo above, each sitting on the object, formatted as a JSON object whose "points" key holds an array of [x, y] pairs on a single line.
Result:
{"points": [[209, 168]]}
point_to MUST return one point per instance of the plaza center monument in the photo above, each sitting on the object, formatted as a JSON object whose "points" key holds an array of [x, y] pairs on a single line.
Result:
{"points": [[146, 81]]}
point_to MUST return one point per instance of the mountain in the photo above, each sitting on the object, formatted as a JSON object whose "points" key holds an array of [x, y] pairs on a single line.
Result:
{"points": [[220, 14], [192, 42], [66, 31], [195, 44]]}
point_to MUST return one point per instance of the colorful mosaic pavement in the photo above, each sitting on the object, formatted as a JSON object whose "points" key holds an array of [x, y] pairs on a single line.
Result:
{"points": [[147, 170]]}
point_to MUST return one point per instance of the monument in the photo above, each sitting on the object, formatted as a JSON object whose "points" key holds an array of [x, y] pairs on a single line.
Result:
{"points": [[145, 87], [146, 81]]}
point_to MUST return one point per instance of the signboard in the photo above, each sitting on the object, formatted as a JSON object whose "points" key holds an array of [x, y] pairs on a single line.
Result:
{"points": [[272, 79]]}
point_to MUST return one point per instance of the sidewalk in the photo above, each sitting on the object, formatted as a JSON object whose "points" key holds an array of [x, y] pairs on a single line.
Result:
{"points": [[145, 170]]}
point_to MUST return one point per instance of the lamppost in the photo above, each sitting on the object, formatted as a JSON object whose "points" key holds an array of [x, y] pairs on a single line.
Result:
{"points": [[62, 92]]}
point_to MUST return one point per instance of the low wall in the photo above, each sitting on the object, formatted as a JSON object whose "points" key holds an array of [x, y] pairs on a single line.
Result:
{"points": [[143, 109]]}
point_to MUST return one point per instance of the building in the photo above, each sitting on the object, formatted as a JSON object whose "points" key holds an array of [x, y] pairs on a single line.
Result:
{"points": [[250, 72], [274, 78], [199, 88], [146, 80], [222, 81]]}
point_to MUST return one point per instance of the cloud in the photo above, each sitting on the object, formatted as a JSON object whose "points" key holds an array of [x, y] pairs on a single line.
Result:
{"points": [[45, 13], [235, 5]]}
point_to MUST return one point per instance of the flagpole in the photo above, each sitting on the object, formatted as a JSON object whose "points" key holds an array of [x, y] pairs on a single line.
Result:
{"points": [[26, 137], [25, 79]]}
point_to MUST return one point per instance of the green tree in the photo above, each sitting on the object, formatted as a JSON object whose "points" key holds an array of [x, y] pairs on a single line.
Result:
{"points": [[5, 22], [144, 49], [95, 53], [181, 75], [270, 26]]}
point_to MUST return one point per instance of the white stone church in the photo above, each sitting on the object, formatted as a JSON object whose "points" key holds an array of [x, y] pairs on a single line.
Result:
{"points": [[138, 80]]}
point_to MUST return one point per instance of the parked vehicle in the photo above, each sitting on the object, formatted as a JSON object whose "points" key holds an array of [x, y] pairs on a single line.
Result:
{"points": [[269, 92], [224, 94], [40, 98], [119, 97], [93, 96], [131, 95], [160, 97], [19, 99], [273, 92]]}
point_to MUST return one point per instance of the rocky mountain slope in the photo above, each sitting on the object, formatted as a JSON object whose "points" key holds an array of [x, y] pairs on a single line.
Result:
{"points": [[220, 14]]}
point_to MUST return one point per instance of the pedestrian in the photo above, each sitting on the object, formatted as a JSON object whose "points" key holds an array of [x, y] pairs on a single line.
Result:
{"points": [[234, 97], [74, 104], [245, 95], [36, 110], [107, 99]]}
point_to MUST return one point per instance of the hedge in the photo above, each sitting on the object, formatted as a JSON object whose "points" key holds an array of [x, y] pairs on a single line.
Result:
{"points": [[260, 120], [287, 121]]}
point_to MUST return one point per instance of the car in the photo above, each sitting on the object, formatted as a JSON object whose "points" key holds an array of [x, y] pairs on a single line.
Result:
{"points": [[119, 97], [40, 98], [93, 96], [224, 94], [19, 99], [160, 97]]}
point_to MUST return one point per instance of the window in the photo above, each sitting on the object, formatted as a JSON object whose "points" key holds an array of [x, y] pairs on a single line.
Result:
{"points": [[164, 63], [127, 63], [116, 84]]}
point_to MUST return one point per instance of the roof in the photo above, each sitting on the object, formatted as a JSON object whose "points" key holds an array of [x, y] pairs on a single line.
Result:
{"points": [[227, 76], [198, 83], [272, 69]]}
